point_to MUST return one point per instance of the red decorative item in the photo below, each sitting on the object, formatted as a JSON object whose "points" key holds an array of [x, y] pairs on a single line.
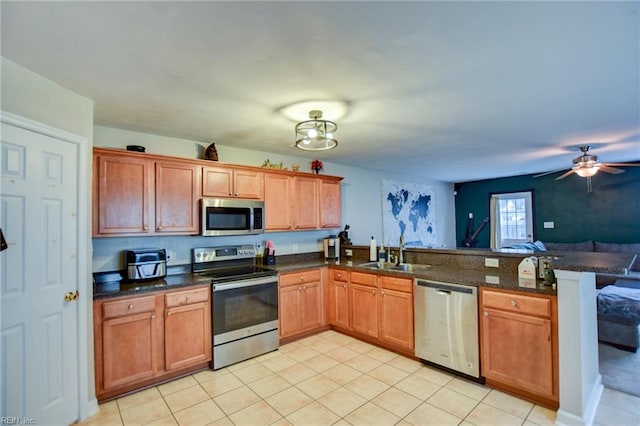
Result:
{"points": [[316, 166]]}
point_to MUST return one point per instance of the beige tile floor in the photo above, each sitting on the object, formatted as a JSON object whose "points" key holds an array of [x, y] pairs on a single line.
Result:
{"points": [[333, 379]]}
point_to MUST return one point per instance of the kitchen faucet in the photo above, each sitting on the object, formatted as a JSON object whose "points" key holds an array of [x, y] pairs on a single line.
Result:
{"points": [[401, 250]]}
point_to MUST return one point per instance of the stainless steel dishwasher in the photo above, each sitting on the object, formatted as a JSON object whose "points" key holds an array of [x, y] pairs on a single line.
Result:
{"points": [[446, 325]]}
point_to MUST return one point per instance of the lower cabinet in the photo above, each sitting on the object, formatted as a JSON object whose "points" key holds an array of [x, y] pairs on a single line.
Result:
{"points": [[519, 344], [140, 340], [379, 307], [396, 312], [301, 302], [187, 328]]}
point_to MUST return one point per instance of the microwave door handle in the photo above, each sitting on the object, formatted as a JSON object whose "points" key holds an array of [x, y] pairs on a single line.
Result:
{"points": [[251, 220], [139, 271]]}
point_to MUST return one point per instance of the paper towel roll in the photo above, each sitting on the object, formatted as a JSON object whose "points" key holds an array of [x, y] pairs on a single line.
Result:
{"points": [[372, 250]]}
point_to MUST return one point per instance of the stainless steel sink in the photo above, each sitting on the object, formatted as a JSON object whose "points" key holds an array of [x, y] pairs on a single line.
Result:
{"points": [[407, 267]]}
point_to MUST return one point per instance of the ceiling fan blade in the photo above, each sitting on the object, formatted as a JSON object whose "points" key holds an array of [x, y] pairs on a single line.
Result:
{"points": [[623, 164], [605, 168], [565, 175]]}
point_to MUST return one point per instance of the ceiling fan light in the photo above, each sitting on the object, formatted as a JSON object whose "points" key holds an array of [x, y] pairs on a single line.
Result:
{"points": [[587, 171]]}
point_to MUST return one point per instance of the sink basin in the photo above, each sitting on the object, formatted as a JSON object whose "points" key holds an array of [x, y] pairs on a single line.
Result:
{"points": [[407, 267]]}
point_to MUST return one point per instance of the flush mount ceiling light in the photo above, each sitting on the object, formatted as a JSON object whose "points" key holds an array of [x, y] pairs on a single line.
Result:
{"points": [[316, 134]]}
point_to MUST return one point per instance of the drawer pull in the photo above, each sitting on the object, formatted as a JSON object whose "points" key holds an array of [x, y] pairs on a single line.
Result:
{"points": [[130, 307], [344, 286], [513, 303]]}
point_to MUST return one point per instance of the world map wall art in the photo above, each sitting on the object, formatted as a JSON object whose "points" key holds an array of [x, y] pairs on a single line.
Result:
{"points": [[408, 209]]}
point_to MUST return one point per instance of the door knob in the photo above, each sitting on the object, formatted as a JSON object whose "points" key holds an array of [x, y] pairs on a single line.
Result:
{"points": [[70, 296]]}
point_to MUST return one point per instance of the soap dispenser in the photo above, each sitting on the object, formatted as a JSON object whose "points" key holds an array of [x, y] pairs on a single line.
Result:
{"points": [[372, 250]]}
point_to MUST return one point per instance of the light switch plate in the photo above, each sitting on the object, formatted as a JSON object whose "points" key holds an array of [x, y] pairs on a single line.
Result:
{"points": [[549, 225], [491, 279], [491, 262]]}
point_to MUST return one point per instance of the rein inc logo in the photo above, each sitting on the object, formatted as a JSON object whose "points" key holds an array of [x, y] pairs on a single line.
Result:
{"points": [[15, 420]]}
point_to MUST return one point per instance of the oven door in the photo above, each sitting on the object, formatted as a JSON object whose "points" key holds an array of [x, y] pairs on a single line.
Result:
{"points": [[243, 308]]}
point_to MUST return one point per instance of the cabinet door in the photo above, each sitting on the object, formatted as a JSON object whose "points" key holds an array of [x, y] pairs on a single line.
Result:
{"points": [[289, 310], [277, 202], [330, 204], [217, 182], [364, 309], [123, 195], [396, 318], [187, 335], [339, 299], [177, 188], [248, 184], [305, 203], [517, 351], [311, 306], [129, 349]]}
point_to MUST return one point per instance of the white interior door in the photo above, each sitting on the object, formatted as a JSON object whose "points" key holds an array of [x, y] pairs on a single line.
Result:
{"points": [[39, 219]]}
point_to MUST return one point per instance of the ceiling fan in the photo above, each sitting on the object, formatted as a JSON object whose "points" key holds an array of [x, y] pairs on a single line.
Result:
{"points": [[586, 166]]}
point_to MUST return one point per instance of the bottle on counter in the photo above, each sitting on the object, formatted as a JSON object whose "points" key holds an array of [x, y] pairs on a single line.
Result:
{"points": [[373, 256], [382, 254], [549, 275]]}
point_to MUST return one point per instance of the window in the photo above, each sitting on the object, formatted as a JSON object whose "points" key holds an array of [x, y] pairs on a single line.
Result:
{"points": [[511, 219]]}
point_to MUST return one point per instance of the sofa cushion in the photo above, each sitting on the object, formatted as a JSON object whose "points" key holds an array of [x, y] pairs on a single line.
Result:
{"points": [[622, 302], [582, 246]]}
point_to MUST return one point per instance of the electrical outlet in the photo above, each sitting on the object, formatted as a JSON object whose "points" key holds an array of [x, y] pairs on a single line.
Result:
{"points": [[491, 262], [171, 256], [491, 279], [348, 252], [294, 247]]}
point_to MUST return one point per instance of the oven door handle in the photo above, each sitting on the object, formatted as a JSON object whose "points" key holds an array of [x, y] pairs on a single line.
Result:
{"points": [[244, 283]]}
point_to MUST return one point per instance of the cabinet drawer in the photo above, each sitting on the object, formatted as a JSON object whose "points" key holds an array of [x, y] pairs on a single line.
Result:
{"points": [[517, 303], [363, 278], [300, 277], [178, 298], [134, 305], [396, 283], [340, 275]]}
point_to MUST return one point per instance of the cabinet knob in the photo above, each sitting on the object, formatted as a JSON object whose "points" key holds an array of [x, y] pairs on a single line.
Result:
{"points": [[344, 286], [382, 292], [169, 313], [486, 314], [235, 195], [160, 228], [513, 303], [339, 275], [153, 317], [373, 292], [130, 307], [304, 288], [145, 227], [230, 194], [188, 298]]}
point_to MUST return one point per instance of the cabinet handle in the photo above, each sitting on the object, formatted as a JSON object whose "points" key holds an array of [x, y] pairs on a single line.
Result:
{"points": [[513, 303], [130, 307]]}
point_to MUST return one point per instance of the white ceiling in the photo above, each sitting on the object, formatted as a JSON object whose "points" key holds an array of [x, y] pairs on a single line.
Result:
{"points": [[453, 91]]}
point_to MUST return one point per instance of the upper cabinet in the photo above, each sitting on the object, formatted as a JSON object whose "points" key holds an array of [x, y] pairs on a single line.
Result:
{"points": [[135, 194], [139, 194], [297, 202], [230, 182]]}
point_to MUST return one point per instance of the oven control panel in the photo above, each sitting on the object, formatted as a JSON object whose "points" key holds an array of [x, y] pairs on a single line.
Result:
{"points": [[215, 254]]}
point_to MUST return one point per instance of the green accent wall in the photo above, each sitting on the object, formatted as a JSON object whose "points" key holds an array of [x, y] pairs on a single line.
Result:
{"points": [[611, 213]]}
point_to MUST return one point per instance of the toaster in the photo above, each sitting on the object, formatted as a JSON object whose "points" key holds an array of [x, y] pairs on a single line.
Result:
{"points": [[145, 264]]}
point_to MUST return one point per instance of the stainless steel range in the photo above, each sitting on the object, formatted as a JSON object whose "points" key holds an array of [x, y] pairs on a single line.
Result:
{"points": [[244, 303]]}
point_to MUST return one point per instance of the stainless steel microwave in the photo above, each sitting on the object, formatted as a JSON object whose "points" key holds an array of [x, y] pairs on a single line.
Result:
{"points": [[221, 216]]}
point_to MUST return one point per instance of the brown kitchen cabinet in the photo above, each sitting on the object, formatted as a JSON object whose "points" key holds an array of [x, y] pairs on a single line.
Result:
{"points": [[230, 182], [278, 194], [135, 345], [396, 311], [136, 195], [339, 298], [519, 344], [127, 340], [363, 303], [123, 194], [330, 203], [187, 328], [305, 202], [301, 302]]}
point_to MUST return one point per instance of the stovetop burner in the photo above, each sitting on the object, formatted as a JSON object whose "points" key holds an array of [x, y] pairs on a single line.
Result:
{"points": [[229, 263]]}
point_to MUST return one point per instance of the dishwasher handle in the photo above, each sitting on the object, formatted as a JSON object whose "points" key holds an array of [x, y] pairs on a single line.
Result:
{"points": [[446, 288]]}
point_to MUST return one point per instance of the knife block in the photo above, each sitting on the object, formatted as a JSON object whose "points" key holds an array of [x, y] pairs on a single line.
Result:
{"points": [[268, 259]]}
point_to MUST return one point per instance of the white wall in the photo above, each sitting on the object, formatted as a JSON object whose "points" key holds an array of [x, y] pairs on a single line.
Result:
{"points": [[361, 202], [31, 96]]}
